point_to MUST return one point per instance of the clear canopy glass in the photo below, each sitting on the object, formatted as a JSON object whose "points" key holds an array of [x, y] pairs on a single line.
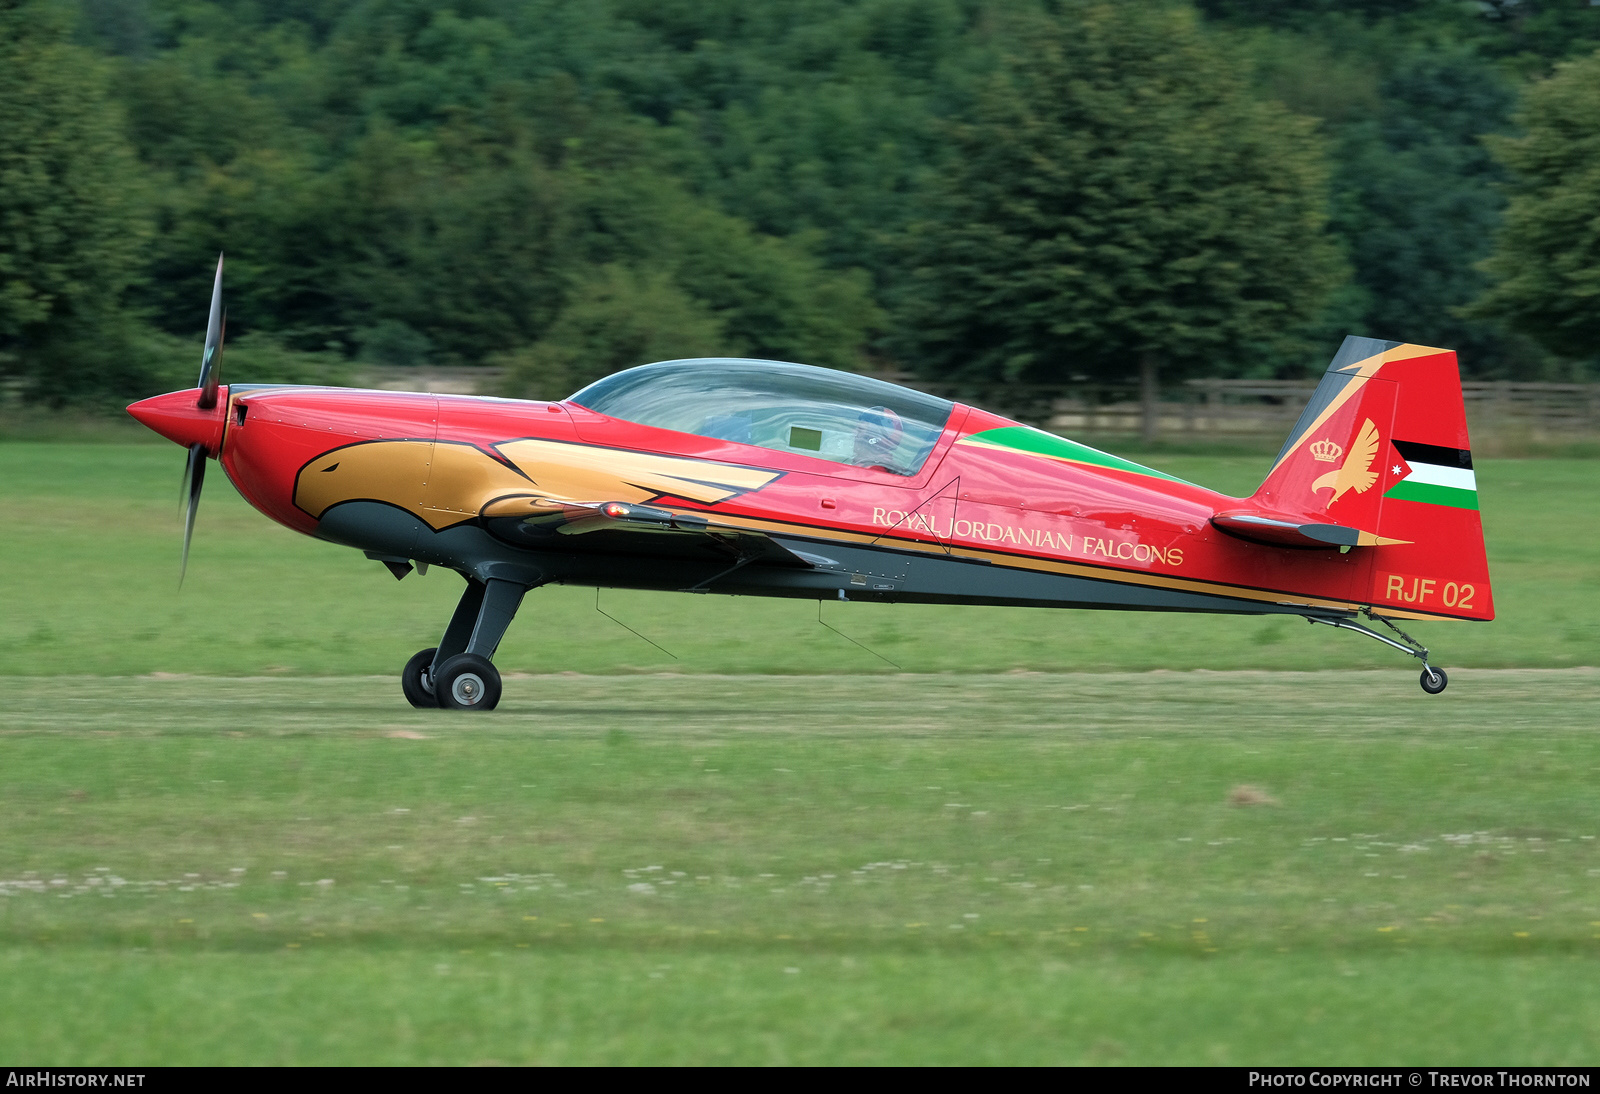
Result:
{"points": [[809, 411]]}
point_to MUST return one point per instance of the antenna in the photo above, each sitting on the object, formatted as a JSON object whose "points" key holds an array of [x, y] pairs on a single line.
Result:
{"points": [[847, 638], [627, 628]]}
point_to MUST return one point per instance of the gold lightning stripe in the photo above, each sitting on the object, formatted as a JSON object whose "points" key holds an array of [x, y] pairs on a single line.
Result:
{"points": [[1360, 372], [575, 471]]}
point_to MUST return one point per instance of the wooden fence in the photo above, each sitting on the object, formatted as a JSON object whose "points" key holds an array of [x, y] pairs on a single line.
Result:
{"points": [[1197, 410], [1251, 409]]}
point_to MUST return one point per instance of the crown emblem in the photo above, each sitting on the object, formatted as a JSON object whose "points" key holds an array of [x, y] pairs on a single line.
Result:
{"points": [[1326, 451]]}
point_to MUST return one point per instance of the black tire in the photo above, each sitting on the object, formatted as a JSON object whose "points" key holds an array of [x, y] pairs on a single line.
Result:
{"points": [[414, 681], [1434, 680], [467, 682]]}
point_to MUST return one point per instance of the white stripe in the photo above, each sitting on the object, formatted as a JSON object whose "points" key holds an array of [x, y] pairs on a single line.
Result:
{"points": [[1459, 478]]}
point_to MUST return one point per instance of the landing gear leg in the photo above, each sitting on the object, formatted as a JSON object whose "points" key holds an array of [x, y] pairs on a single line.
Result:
{"points": [[1433, 680], [458, 674], [459, 632], [417, 677], [462, 676]]}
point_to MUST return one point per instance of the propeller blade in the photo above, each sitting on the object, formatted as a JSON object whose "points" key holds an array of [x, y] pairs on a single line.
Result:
{"points": [[211, 362], [194, 476]]}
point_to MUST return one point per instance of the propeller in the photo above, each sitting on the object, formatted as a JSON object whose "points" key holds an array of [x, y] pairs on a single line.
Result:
{"points": [[194, 472], [194, 476], [211, 362]]}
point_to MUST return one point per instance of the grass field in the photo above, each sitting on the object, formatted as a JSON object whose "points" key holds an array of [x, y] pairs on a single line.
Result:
{"points": [[90, 536], [1181, 867], [223, 841]]}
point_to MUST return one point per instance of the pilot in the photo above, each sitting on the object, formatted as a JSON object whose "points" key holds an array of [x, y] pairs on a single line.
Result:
{"points": [[879, 432]]}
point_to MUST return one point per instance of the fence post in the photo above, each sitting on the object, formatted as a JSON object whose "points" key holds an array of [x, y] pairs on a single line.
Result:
{"points": [[1149, 397]]}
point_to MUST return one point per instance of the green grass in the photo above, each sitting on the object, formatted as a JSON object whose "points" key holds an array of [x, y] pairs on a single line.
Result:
{"points": [[36, 425], [940, 869], [640, 859], [595, 1005], [90, 537]]}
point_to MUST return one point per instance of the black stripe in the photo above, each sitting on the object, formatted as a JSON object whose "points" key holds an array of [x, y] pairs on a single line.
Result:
{"points": [[1434, 454]]}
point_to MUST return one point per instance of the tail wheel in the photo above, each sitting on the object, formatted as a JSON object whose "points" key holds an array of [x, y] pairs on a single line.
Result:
{"points": [[1434, 680], [467, 682], [417, 684]]}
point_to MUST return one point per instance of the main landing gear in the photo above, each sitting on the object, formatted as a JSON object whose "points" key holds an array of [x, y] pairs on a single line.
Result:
{"points": [[1433, 680], [457, 675]]}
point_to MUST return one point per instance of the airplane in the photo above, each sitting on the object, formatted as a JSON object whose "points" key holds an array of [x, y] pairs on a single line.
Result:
{"points": [[769, 478]]}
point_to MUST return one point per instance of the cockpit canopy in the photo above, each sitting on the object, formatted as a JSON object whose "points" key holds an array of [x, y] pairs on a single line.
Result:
{"points": [[802, 409]]}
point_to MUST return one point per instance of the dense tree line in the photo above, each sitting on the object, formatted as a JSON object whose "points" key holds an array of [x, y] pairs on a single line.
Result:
{"points": [[1004, 190], [1118, 198]]}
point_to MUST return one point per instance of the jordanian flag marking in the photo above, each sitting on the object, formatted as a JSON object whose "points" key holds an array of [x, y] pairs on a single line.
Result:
{"points": [[1435, 475]]}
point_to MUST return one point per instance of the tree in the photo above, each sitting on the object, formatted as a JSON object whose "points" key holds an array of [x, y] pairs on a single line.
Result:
{"points": [[615, 318], [1547, 257], [1416, 200], [1119, 202], [837, 148], [72, 214], [1418, 206], [470, 239]]}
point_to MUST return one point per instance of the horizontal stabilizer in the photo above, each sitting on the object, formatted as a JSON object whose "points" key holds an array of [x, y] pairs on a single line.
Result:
{"points": [[1279, 530]]}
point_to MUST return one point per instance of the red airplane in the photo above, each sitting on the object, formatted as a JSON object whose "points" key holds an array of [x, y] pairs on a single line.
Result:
{"points": [[763, 478]]}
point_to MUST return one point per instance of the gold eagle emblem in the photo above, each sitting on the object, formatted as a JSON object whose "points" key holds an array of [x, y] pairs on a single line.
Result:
{"points": [[447, 482], [1356, 472]]}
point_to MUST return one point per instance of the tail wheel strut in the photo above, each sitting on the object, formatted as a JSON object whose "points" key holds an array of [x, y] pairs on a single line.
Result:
{"points": [[1433, 680]]}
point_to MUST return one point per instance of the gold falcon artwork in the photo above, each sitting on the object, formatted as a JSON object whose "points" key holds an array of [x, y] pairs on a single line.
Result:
{"points": [[1356, 472]]}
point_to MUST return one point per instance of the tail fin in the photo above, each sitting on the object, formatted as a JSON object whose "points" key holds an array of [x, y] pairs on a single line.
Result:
{"points": [[1380, 461]]}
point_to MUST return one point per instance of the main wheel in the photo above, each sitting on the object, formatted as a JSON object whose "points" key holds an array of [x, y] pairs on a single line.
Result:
{"points": [[467, 682], [417, 684], [1434, 680]]}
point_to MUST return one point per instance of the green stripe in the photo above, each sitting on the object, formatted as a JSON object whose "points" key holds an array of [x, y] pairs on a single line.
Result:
{"points": [[1406, 490], [1023, 439]]}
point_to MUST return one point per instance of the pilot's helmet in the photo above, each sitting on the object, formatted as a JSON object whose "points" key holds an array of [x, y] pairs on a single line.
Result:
{"points": [[879, 428]]}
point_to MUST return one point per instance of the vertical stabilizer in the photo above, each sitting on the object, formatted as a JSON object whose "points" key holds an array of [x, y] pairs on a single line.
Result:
{"points": [[1382, 449]]}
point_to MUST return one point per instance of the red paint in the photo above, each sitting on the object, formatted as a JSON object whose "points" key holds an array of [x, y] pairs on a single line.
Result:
{"points": [[176, 417], [997, 501]]}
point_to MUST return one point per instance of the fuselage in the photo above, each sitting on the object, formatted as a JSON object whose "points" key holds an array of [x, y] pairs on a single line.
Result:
{"points": [[994, 513]]}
